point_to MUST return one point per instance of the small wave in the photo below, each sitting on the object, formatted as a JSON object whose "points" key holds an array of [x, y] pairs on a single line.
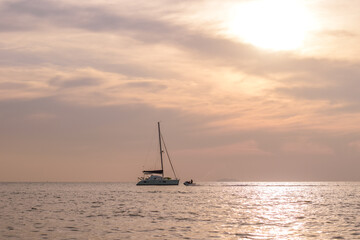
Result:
{"points": [[73, 229], [185, 219], [154, 191], [95, 206], [268, 185], [245, 235], [135, 215]]}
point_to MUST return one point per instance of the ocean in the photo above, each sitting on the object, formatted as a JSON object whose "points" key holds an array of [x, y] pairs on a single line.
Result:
{"points": [[231, 210]]}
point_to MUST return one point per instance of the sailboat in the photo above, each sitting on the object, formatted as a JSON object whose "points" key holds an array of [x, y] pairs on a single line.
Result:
{"points": [[156, 177]]}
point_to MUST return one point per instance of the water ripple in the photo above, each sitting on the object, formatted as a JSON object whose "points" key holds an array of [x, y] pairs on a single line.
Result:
{"points": [[210, 210]]}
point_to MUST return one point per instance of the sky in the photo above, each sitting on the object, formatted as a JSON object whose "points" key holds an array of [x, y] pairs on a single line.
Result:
{"points": [[247, 90]]}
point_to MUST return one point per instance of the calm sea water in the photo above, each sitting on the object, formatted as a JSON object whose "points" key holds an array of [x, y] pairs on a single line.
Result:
{"points": [[209, 211]]}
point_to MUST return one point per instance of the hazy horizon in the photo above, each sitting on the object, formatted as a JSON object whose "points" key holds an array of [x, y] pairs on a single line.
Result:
{"points": [[251, 90]]}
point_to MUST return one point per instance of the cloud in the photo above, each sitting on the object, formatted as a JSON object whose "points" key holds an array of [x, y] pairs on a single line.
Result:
{"points": [[12, 85], [245, 148], [92, 18], [73, 83], [337, 84], [307, 148], [147, 49], [339, 33], [149, 30], [147, 85], [41, 117], [47, 132], [355, 145]]}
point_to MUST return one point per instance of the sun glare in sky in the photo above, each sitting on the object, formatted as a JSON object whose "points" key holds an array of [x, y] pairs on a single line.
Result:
{"points": [[275, 25]]}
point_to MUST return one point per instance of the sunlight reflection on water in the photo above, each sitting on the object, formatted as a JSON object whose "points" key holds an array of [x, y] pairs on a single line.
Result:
{"points": [[210, 210]]}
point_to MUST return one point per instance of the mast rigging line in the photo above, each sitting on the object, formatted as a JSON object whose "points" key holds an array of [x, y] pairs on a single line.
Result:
{"points": [[167, 154]]}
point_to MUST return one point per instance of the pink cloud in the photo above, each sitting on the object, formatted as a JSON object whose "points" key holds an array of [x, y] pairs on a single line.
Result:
{"points": [[355, 145], [245, 148], [306, 147]]}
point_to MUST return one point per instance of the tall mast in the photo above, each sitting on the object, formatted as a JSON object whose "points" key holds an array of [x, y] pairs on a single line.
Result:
{"points": [[161, 151]]}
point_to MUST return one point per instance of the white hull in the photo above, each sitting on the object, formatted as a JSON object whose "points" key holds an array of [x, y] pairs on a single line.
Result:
{"points": [[159, 182]]}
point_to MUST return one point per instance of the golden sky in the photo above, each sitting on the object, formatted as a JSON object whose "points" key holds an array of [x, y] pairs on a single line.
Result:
{"points": [[248, 90]]}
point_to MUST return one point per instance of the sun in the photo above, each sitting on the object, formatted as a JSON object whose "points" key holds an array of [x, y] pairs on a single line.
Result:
{"points": [[270, 24]]}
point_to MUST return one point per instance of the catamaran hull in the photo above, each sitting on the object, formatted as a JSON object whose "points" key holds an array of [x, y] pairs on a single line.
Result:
{"points": [[158, 182]]}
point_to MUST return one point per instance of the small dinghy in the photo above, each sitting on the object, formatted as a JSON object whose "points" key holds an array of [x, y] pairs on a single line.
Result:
{"points": [[189, 183]]}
